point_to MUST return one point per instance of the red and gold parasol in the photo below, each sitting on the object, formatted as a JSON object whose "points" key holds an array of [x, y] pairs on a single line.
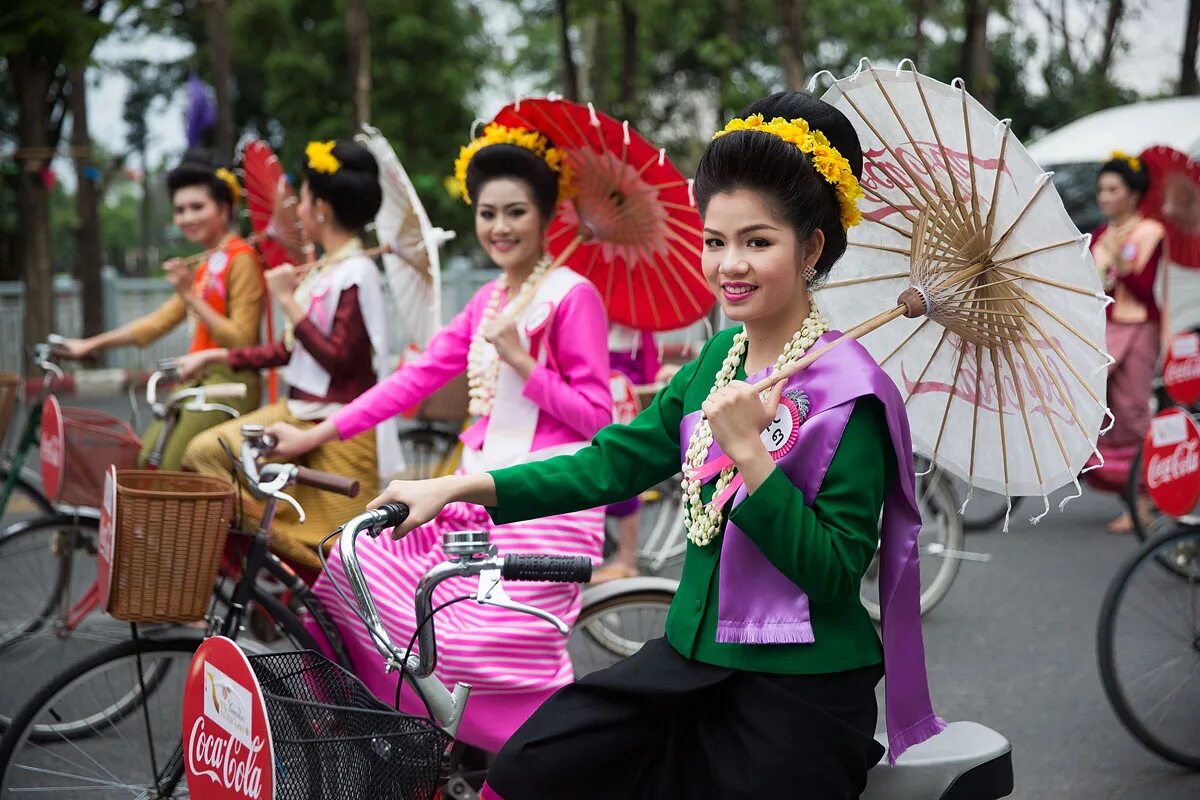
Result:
{"points": [[1174, 200], [632, 227], [272, 206]]}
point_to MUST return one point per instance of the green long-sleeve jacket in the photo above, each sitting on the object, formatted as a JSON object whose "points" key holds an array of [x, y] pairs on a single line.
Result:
{"points": [[824, 548]]}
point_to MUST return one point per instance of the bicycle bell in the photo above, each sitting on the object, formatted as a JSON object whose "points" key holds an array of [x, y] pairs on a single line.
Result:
{"points": [[466, 543]]}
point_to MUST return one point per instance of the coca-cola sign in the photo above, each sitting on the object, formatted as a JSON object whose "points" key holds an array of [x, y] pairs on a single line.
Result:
{"points": [[1181, 370], [51, 447], [1171, 462], [227, 744]]}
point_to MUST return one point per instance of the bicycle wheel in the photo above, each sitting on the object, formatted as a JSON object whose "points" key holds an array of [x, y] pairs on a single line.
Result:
{"points": [[663, 538], [126, 754], [1149, 522], [616, 628], [26, 499], [940, 538], [1148, 646], [48, 566], [986, 509], [427, 452]]}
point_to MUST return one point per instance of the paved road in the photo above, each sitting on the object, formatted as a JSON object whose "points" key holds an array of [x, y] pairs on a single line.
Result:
{"points": [[1013, 646]]}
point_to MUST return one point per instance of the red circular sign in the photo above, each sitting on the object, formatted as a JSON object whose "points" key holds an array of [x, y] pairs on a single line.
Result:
{"points": [[227, 739], [625, 401], [1181, 370], [52, 447], [1171, 465], [107, 535]]}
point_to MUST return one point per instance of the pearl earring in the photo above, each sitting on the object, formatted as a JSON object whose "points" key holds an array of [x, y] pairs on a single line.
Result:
{"points": [[321, 218]]}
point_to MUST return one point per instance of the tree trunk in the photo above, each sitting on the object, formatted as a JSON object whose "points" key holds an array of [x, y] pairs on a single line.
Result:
{"points": [[218, 41], [920, 12], [145, 215], [31, 78], [629, 59], [358, 41], [733, 35], [570, 77], [1189, 81], [975, 61], [87, 198], [791, 44], [1116, 9]]}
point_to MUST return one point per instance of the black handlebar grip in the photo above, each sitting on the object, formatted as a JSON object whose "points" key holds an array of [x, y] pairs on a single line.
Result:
{"points": [[393, 513], [537, 567]]}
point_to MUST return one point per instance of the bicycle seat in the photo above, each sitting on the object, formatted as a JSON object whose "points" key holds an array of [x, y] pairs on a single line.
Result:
{"points": [[967, 761]]}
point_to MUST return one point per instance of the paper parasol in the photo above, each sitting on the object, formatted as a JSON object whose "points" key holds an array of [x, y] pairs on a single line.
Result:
{"points": [[411, 262], [997, 342], [272, 205], [1174, 200], [632, 228]]}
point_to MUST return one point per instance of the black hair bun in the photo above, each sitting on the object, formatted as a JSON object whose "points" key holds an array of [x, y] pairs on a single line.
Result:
{"points": [[512, 161], [1138, 180], [353, 191], [198, 168]]}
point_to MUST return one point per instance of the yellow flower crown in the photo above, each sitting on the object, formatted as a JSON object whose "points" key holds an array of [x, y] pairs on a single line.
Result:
{"points": [[321, 159], [231, 181], [1134, 162], [831, 164], [532, 141]]}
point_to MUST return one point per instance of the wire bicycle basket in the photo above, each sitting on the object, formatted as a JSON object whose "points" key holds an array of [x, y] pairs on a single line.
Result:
{"points": [[333, 738]]}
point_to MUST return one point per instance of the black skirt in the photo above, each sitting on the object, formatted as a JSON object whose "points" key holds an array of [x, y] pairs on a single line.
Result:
{"points": [[658, 725]]}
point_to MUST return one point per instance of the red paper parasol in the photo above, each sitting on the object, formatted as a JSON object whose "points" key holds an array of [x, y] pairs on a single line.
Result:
{"points": [[272, 205], [632, 228], [1174, 200]]}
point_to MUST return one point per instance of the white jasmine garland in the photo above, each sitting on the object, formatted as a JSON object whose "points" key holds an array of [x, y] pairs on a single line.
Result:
{"points": [[481, 378], [703, 523]]}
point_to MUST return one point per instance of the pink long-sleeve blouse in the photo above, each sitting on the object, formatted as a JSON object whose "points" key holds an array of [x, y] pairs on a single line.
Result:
{"points": [[571, 390]]}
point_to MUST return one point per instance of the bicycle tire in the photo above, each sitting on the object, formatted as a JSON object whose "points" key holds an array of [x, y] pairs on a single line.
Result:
{"points": [[29, 492], [591, 629], [941, 497], [1106, 645], [22, 731]]}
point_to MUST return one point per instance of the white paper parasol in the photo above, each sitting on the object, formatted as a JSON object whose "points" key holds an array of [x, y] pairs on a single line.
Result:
{"points": [[410, 259], [999, 352]]}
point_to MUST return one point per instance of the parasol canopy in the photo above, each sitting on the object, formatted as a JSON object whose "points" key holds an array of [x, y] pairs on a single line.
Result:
{"points": [[1174, 200], [411, 262], [997, 340], [632, 227], [272, 205]]}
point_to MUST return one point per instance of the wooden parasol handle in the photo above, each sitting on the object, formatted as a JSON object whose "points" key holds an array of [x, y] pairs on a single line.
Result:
{"points": [[911, 304]]}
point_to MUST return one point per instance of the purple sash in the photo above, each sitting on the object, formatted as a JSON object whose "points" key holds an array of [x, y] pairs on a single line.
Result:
{"points": [[759, 605]]}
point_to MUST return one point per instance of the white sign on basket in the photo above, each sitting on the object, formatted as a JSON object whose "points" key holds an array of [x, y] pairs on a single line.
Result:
{"points": [[227, 703], [1185, 346], [1168, 430]]}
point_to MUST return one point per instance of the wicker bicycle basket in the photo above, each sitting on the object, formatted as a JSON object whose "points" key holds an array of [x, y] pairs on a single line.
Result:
{"points": [[10, 389], [92, 440], [448, 404], [333, 738], [170, 532]]}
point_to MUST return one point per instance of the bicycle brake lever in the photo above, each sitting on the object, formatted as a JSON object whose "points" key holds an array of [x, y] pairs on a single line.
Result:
{"points": [[291, 501], [491, 592], [224, 409]]}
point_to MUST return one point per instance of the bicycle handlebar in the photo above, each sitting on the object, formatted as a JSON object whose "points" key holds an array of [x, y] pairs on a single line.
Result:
{"points": [[327, 481], [478, 558]]}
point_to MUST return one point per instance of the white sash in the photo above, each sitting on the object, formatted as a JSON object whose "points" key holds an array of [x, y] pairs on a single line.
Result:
{"points": [[303, 371], [514, 417]]}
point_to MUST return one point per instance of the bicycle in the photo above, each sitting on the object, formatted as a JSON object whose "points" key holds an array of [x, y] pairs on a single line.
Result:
{"points": [[1148, 644], [91, 704], [49, 561]]}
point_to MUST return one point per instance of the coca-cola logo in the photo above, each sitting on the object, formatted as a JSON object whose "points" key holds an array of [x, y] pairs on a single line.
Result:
{"points": [[221, 758], [51, 450], [1172, 462], [1181, 371], [1181, 462], [228, 752], [911, 167], [1039, 391]]}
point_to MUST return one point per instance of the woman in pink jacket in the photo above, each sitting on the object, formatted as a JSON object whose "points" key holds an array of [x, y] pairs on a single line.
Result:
{"points": [[534, 346]]}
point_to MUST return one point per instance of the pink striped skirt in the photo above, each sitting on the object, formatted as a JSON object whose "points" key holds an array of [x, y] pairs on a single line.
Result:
{"points": [[512, 661]]}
